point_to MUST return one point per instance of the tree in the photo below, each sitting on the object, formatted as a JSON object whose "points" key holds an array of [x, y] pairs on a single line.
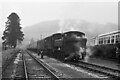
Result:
{"points": [[12, 33]]}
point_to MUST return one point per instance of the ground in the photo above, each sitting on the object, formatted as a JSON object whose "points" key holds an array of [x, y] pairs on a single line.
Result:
{"points": [[5, 57]]}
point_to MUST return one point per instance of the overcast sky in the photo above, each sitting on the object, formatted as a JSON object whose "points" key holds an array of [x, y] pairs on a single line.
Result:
{"points": [[32, 12]]}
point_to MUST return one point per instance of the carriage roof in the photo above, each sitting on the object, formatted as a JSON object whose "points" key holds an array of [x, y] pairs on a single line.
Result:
{"points": [[57, 34], [110, 33], [75, 32]]}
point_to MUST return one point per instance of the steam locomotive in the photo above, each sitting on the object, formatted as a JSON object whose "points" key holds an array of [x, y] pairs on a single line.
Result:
{"points": [[70, 45]]}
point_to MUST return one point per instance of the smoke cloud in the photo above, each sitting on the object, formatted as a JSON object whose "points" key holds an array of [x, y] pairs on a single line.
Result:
{"points": [[68, 25]]}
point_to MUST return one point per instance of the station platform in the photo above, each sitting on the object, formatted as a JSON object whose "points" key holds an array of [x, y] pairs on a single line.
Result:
{"points": [[103, 62]]}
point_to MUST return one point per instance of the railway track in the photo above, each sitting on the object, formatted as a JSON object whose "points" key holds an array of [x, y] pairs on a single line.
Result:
{"points": [[35, 69], [111, 73], [102, 71]]}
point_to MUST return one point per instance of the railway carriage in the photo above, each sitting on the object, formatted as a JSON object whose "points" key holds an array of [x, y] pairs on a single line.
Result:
{"points": [[57, 41], [108, 45], [48, 44]]}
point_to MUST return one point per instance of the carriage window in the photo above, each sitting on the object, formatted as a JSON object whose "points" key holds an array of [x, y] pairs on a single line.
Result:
{"points": [[83, 36], [99, 41], [112, 39], [117, 38], [108, 40], [104, 40]]}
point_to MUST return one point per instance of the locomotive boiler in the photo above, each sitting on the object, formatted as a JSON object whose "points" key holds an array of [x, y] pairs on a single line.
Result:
{"points": [[74, 45]]}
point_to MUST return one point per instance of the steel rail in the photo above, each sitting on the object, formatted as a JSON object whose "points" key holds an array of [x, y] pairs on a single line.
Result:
{"points": [[111, 69], [93, 69], [41, 63], [25, 67]]}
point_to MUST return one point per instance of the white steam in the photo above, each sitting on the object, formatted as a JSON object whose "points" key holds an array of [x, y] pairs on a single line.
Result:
{"points": [[88, 54], [68, 25]]}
